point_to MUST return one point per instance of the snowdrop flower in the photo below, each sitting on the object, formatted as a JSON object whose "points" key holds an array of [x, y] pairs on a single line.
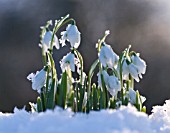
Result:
{"points": [[125, 70], [72, 35], [38, 79], [132, 96], [46, 41], [105, 77], [113, 85], [140, 63], [130, 68], [135, 68], [68, 62], [107, 57]]}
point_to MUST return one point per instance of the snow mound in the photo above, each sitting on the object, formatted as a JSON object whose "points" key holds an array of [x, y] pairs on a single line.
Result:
{"points": [[160, 117], [124, 120]]}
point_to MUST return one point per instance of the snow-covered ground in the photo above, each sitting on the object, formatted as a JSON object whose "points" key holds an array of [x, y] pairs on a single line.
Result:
{"points": [[124, 120]]}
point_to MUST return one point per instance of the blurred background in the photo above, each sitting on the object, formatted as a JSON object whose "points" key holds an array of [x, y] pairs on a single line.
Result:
{"points": [[145, 24]]}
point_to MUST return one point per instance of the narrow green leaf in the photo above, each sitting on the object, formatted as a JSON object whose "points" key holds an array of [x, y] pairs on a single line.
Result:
{"points": [[95, 98], [43, 100], [112, 103], [63, 90], [71, 100], [101, 100], [51, 96], [90, 75], [39, 105]]}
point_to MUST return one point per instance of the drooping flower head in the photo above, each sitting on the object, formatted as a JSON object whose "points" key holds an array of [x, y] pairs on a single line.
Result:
{"points": [[38, 79], [140, 63], [132, 97], [136, 67], [107, 57], [112, 83], [72, 35], [68, 62], [105, 76], [46, 41]]}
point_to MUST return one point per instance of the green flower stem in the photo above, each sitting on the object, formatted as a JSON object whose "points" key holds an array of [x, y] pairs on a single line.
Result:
{"points": [[104, 91], [131, 82], [100, 41], [44, 57], [121, 81], [47, 81], [138, 105], [52, 90], [127, 85]]}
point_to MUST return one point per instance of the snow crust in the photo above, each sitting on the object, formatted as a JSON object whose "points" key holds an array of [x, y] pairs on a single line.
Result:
{"points": [[124, 120]]}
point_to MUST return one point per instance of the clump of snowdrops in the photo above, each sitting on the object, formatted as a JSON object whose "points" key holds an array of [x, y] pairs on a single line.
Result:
{"points": [[116, 74]]}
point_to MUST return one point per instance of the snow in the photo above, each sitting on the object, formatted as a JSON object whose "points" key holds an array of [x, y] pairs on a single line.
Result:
{"points": [[124, 120]]}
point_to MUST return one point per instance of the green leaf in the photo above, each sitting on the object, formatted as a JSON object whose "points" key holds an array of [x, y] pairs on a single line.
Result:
{"points": [[95, 97], [101, 100], [39, 105], [71, 101], [90, 75], [112, 103], [51, 95], [43, 100], [104, 93], [92, 68], [63, 90]]}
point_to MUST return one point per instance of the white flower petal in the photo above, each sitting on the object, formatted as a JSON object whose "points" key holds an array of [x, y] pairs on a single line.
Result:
{"points": [[133, 71], [140, 63], [107, 57], [68, 62], [105, 77], [38, 79], [125, 70], [46, 42], [30, 76], [132, 96], [113, 85], [72, 35]]}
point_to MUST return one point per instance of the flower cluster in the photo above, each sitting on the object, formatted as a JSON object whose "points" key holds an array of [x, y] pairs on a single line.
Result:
{"points": [[116, 74]]}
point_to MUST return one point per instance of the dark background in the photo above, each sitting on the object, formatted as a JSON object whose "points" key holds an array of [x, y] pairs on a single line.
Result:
{"points": [[143, 23]]}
